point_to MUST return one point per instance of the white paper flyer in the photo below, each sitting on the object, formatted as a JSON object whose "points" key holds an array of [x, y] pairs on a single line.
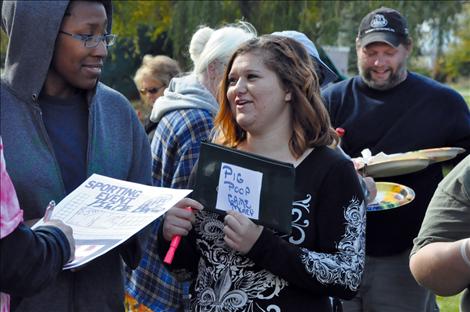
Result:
{"points": [[105, 212]]}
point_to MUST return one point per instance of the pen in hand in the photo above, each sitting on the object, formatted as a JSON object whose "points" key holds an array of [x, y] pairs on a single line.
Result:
{"points": [[49, 210]]}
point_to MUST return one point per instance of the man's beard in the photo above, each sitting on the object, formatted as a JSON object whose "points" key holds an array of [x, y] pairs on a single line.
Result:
{"points": [[393, 80]]}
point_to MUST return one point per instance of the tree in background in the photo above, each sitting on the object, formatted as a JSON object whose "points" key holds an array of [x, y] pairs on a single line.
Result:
{"points": [[135, 20], [443, 21], [166, 27], [456, 61], [188, 15], [142, 28], [3, 47]]}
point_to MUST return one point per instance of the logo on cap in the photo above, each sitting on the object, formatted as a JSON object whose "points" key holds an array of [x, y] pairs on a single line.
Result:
{"points": [[378, 21]]}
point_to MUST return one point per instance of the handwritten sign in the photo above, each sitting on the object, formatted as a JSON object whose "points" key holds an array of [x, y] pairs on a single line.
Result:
{"points": [[239, 189]]}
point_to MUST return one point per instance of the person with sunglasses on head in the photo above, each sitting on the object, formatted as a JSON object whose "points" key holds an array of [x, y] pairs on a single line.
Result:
{"points": [[185, 118], [151, 79], [60, 125], [326, 75]]}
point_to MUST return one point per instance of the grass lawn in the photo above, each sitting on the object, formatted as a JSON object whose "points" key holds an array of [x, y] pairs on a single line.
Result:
{"points": [[449, 304], [466, 96], [464, 89]]}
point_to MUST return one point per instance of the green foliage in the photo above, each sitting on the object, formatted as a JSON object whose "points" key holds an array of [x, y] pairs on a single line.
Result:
{"points": [[129, 17], [166, 27], [188, 15], [456, 62], [449, 304], [142, 28], [3, 47], [326, 22]]}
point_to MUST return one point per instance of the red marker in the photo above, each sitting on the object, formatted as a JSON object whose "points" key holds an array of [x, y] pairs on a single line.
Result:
{"points": [[175, 241], [340, 132]]}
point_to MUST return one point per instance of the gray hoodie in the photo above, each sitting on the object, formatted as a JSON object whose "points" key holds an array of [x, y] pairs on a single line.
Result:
{"points": [[184, 93], [117, 147]]}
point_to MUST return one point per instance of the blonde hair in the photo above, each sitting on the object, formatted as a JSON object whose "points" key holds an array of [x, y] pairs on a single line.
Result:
{"points": [[159, 67]]}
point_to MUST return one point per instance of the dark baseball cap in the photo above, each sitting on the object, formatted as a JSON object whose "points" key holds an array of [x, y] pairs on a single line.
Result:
{"points": [[383, 25]]}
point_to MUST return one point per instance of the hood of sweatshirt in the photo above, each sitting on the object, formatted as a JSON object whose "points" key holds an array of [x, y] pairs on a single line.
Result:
{"points": [[32, 27], [183, 93]]}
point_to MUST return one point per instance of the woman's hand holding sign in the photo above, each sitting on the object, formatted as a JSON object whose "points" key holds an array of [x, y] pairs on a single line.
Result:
{"points": [[240, 232]]}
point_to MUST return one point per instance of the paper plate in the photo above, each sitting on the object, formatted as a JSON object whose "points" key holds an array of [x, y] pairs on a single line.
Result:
{"points": [[440, 154], [391, 195], [394, 166]]}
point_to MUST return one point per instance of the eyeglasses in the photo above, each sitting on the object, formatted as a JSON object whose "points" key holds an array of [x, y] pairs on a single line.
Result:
{"points": [[92, 41], [144, 91]]}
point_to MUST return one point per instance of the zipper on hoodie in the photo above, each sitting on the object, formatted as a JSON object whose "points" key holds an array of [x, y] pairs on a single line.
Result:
{"points": [[38, 114], [47, 140], [90, 135]]}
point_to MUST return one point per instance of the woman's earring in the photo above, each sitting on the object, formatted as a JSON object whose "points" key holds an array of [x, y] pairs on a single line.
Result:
{"points": [[288, 97]]}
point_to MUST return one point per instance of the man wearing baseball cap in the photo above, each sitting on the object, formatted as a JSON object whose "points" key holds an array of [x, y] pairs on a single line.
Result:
{"points": [[387, 108]]}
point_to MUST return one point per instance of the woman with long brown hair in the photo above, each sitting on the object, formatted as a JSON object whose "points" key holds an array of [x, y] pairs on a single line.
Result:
{"points": [[270, 105]]}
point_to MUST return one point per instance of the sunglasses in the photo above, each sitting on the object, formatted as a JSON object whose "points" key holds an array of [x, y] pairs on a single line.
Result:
{"points": [[144, 91]]}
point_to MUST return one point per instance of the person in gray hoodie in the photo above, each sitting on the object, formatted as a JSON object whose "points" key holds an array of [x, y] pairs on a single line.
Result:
{"points": [[59, 125]]}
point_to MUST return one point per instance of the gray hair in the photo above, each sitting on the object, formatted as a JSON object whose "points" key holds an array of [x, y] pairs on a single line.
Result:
{"points": [[208, 45]]}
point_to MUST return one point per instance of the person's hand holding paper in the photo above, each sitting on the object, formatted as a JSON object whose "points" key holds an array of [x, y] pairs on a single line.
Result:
{"points": [[68, 232]]}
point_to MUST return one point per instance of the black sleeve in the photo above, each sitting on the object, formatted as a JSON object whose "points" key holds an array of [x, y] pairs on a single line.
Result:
{"points": [[31, 259], [334, 266], [186, 256], [185, 262]]}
